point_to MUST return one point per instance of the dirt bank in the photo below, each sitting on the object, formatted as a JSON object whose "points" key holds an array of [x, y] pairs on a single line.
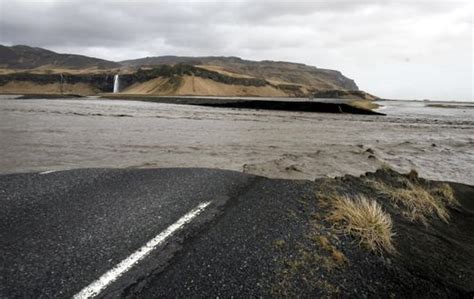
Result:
{"points": [[430, 258]]}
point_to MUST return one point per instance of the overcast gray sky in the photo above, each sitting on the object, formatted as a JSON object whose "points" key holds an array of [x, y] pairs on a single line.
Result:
{"points": [[395, 49]]}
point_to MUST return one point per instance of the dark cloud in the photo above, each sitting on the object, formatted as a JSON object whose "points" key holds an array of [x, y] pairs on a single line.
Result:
{"points": [[368, 40]]}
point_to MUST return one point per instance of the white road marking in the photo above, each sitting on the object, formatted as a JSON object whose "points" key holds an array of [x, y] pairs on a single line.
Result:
{"points": [[113, 274], [48, 171]]}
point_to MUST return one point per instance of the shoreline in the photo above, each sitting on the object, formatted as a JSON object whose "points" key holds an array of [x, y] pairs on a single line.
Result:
{"points": [[351, 106]]}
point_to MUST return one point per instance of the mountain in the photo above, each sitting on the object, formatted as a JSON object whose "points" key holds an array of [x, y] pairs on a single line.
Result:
{"points": [[277, 71], [25, 57], [25, 69]]}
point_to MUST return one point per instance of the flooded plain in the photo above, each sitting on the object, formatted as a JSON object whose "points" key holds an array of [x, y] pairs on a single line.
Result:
{"points": [[43, 135]]}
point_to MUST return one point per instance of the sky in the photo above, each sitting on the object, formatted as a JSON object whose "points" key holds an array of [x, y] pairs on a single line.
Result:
{"points": [[403, 49]]}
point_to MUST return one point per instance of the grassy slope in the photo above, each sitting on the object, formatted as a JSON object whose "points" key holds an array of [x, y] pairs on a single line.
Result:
{"points": [[197, 86]]}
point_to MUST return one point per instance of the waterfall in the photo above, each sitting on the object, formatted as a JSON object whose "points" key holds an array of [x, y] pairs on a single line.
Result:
{"points": [[61, 90], [116, 84]]}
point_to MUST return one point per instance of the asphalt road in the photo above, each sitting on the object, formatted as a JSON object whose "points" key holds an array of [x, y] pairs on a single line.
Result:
{"points": [[62, 231]]}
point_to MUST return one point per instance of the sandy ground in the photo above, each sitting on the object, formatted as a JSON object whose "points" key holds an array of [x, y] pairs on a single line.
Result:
{"points": [[63, 134], [192, 85], [157, 86]]}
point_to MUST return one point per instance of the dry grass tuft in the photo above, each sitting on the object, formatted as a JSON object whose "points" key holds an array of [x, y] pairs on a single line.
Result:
{"points": [[324, 243], [413, 175], [445, 192], [338, 257], [418, 203], [365, 220], [302, 270]]}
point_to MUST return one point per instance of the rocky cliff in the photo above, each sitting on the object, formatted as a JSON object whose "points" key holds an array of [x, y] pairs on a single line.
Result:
{"points": [[285, 72]]}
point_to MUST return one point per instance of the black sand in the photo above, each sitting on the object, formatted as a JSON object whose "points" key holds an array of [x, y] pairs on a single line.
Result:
{"points": [[294, 104]]}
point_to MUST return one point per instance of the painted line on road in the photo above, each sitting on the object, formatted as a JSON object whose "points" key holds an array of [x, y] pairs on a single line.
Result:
{"points": [[113, 274], [48, 171]]}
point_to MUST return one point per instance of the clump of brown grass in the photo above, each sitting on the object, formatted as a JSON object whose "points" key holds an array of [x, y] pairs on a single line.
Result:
{"points": [[413, 175], [338, 258], [446, 193], [302, 269], [365, 220], [417, 202], [323, 241]]}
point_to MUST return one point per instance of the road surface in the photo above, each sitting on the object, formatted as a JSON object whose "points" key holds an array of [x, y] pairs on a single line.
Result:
{"points": [[143, 233]]}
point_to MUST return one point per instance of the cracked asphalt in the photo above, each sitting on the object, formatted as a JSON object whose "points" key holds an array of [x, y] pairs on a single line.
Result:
{"points": [[60, 231]]}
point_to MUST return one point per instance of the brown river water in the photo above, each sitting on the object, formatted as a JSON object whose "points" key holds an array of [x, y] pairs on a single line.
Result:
{"points": [[42, 135]]}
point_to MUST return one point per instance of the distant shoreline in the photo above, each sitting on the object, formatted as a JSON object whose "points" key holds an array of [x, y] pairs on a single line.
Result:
{"points": [[260, 103]]}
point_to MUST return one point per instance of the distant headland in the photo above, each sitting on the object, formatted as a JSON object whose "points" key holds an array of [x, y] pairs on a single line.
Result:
{"points": [[27, 70]]}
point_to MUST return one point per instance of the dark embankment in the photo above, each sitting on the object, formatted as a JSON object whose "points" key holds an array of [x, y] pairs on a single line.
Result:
{"points": [[280, 239], [426, 249], [48, 96], [293, 106], [338, 106]]}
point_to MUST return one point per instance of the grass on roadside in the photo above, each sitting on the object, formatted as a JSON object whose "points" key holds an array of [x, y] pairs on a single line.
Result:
{"points": [[418, 202], [365, 220]]}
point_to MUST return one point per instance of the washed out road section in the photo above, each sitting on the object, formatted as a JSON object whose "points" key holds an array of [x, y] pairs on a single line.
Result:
{"points": [[63, 230]]}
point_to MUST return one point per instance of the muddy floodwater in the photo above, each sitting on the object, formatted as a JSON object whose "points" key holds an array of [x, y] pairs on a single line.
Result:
{"points": [[43, 135]]}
